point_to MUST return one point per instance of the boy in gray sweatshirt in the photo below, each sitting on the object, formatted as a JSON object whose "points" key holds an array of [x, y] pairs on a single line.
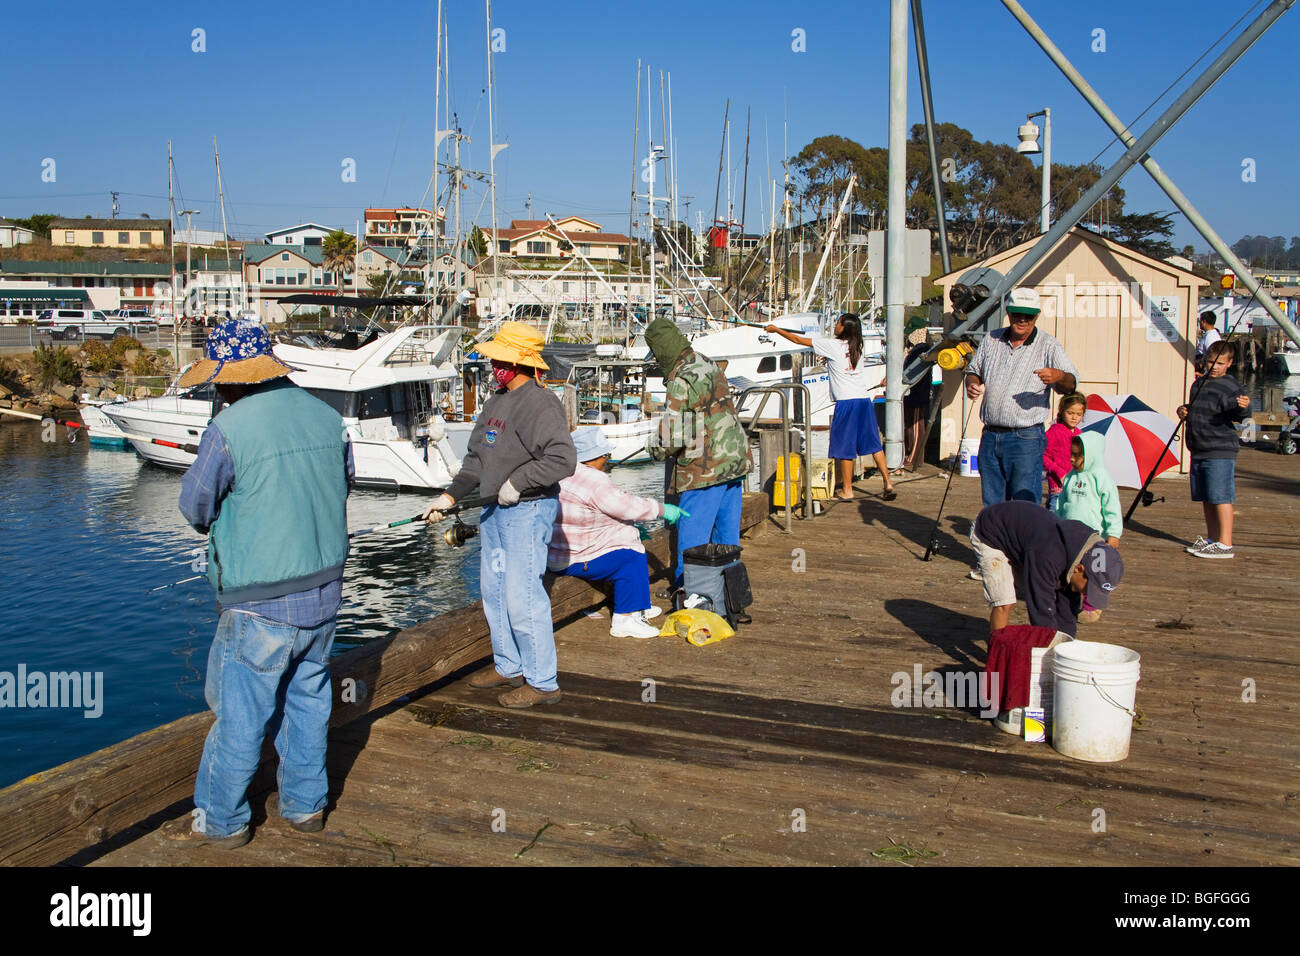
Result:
{"points": [[1216, 404]]}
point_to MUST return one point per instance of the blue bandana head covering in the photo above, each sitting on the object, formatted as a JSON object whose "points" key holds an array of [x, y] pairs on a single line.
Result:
{"points": [[231, 343]]}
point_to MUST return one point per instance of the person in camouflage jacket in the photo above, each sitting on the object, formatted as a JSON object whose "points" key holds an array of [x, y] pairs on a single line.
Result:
{"points": [[702, 440]]}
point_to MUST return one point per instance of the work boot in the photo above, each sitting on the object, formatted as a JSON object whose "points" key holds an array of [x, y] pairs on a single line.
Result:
{"points": [[631, 625], [312, 824], [528, 695], [182, 834], [493, 678]]}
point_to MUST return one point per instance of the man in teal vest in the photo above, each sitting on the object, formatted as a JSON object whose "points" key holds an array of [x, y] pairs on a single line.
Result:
{"points": [[269, 488]]}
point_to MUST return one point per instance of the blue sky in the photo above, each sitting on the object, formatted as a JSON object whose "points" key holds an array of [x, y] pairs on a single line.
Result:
{"points": [[292, 90]]}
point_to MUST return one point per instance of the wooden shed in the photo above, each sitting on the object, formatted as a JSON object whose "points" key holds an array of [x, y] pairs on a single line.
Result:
{"points": [[1127, 321]]}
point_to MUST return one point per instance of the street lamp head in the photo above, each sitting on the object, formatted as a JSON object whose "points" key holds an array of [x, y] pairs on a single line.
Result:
{"points": [[1028, 139]]}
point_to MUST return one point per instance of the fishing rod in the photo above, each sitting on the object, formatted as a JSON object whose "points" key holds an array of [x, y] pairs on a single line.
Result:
{"points": [[933, 545], [1146, 497], [611, 465], [183, 446]]}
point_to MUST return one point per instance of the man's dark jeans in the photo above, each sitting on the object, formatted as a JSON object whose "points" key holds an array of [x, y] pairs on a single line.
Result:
{"points": [[1011, 464]]}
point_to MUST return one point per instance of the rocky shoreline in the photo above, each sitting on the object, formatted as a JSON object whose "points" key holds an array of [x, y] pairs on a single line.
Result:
{"points": [[21, 389]]}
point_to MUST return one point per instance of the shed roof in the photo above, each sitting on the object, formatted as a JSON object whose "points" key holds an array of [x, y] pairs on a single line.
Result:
{"points": [[83, 268], [260, 253]]}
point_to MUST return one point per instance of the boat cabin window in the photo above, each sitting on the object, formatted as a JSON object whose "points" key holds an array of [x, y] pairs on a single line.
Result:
{"points": [[342, 402], [767, 364], [375, 403], [787, 362]]}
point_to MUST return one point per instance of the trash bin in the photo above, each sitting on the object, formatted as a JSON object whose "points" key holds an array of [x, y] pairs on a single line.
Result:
{"points": [[716, 573]]}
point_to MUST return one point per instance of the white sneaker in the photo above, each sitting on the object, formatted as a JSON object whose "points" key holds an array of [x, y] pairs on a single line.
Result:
{"points": [[631, 625], [1199, 545], [1214, 550], [651, 613]]}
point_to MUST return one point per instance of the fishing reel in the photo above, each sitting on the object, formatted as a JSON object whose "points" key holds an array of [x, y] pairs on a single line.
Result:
{"points": [[1149, 498], [954, 354], [459, 533]]}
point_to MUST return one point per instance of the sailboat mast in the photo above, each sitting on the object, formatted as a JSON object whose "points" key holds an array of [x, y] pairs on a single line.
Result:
{"points": [[431, 255], [492, 157], [631, 207], [171, 204], [649, 132], [225, 232]]}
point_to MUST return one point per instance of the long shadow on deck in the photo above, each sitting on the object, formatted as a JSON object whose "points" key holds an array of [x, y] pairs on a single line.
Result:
{"points": [[737, 731]]}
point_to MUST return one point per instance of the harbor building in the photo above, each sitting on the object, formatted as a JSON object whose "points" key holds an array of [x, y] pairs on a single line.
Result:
{"points": [[110, 233]]}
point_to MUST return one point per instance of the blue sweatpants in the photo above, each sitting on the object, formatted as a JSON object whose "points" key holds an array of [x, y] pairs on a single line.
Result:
{"points": [[714, 518], [627, 568]]}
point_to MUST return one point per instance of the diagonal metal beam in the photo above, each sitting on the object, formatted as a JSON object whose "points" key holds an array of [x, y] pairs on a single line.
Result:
{"points": [[1131, 157], [1151, 166]]}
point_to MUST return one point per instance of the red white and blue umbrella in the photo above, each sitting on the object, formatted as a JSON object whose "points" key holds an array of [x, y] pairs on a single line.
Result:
{"points": [[1136, 437]]}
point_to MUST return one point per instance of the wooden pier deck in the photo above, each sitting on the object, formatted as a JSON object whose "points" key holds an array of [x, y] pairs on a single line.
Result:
{"points": [[781, 746]]}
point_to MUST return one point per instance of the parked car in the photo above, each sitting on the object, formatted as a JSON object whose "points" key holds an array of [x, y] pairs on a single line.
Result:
{"points": [[79, 324]]}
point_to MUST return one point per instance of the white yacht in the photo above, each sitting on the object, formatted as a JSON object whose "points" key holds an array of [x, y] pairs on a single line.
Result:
{"points": [[756, 357], [388, 392]]}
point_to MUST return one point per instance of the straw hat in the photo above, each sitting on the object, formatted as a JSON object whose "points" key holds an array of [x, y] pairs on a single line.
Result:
{"points": [[237, 353], [516, 343]]}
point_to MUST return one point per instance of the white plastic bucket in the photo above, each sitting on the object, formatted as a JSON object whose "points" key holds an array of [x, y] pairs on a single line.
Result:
{"points": [[1096, 686], [970, 457]]}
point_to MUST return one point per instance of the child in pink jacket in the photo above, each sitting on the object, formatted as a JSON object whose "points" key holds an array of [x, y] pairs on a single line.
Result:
{"points": [[1056, 459]]}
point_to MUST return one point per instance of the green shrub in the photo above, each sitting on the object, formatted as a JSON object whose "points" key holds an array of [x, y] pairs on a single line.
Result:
{"points": [[162, 353], [98, 358], [145, 364], [120, 346], [55, 365]]}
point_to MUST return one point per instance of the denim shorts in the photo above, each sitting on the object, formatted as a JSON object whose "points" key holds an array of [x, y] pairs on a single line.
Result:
{"points": [[1212, 480]]}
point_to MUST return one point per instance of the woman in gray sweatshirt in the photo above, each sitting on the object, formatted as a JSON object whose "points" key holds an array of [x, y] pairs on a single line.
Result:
{"points": [[519, 451]]}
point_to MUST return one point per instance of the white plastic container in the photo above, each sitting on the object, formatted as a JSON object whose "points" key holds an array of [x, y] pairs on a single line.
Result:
{"points": [[970, 457], [1096, 686]]}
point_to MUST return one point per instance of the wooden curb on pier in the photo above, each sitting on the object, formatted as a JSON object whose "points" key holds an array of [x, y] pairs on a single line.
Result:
{"points": [[53, 815]]}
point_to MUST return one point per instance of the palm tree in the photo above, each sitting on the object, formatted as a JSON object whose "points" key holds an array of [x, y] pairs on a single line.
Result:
{"points": [[340, 251]]}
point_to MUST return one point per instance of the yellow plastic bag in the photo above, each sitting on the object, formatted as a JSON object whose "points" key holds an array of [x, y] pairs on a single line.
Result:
{"points": [[699, 627]]}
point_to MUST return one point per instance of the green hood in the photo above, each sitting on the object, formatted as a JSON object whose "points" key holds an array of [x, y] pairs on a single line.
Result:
{"points": [[666, 342], [1094, 452]]}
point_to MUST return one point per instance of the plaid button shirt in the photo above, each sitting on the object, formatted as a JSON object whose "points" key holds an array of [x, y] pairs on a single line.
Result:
{"points": [[595, 518], [1014, 396]]}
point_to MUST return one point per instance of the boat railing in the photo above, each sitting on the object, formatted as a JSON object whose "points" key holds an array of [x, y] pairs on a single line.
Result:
{"points": [[785, 392]]}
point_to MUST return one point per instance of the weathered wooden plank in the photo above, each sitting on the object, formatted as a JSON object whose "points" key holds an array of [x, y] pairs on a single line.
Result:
{"points": [[52, 815]]}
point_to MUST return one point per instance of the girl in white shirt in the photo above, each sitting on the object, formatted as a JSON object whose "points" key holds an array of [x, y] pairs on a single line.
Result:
{"points": [[854, 430]]}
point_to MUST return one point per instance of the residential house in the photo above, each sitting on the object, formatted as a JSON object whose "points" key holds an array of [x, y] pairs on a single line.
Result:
{"points": [[538, 239], [399, 228], [303, 234], [12, 234], [110, 233], [272, 272]]}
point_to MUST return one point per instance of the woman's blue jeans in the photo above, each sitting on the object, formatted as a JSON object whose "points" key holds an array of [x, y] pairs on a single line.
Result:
{"points": [[518, 609], [259, 669]]}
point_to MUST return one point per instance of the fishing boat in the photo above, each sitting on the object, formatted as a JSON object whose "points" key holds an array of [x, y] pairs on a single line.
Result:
{"points": [[754, 358], [609, 393], [99, 427], [387, 392]]}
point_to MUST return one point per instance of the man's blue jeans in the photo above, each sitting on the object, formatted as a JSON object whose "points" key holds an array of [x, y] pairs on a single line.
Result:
{"points": [[518, 609], [1011, 465], [258, 669], [714, 518]]}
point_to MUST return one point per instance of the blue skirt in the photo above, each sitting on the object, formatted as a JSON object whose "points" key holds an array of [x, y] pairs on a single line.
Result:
{"points": [[854, 430]]}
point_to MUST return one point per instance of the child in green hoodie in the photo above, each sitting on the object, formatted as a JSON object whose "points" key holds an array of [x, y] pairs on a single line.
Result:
{"points": [[1088, 494]]}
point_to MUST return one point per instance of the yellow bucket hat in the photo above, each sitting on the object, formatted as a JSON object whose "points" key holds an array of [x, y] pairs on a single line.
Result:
{"points": [[516, 343]]}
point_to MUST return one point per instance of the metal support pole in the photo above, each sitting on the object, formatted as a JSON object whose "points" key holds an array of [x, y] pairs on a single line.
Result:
{"points": [[1141, 146], [1153, 168], [923, 67], [896, 233]]}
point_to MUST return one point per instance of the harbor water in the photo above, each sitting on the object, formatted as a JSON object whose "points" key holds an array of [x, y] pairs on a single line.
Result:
{"points": [[87, 532]]}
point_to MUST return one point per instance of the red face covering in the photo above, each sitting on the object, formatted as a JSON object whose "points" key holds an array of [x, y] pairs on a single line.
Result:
{"points": [[503, 374]]}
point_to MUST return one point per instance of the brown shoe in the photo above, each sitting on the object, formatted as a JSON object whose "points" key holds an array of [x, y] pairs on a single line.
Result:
{"points": [[493, 678], [528, 695], [181, 833]]}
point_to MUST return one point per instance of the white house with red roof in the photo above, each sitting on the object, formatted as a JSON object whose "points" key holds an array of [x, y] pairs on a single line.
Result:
{"points": [[538, 239]]}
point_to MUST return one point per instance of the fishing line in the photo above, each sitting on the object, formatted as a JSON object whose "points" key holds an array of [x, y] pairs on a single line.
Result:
{"points": [[933, 546]]}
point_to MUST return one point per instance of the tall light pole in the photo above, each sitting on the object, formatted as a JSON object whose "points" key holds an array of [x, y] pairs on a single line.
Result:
{"points": [[1029, 145]]}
